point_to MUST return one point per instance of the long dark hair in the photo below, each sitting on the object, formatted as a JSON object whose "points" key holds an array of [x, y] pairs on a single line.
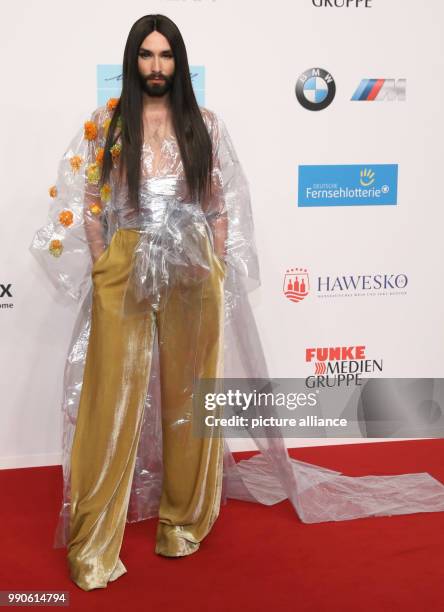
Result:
{"points": [[191, 133]]}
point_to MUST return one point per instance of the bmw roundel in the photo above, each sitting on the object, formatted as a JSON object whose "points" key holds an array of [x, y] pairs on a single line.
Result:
{"points": [[315, 89]]}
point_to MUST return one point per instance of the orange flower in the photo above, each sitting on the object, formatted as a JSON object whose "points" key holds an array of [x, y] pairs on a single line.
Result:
{"points": [[53, 191], [56, 247], [112, 103], [76, 161], [115, 150], [66, 217], [90, 130], [99, 155], [95, 209], [105, 192]]}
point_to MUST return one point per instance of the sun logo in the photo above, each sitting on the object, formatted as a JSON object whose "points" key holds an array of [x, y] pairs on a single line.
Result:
{"points": [[367, 177]]}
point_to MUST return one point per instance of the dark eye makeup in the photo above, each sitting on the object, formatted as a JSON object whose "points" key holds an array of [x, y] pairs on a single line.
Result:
{"points": [[145, 53]]}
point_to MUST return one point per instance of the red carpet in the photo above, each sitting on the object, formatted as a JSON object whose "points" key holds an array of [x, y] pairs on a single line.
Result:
{"points": [[256, 558]]}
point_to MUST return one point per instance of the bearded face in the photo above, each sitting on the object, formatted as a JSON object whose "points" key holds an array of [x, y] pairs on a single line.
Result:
{"points": [[156, 65]]}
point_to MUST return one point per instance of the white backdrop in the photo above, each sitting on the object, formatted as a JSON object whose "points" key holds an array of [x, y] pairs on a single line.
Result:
{"points": [[253, 53]]}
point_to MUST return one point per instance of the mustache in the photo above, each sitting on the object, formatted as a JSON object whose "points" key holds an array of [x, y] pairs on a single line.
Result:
{"points": [[157, 76]]}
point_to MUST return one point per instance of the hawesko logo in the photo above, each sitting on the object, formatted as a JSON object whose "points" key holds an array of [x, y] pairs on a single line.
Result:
{"points": [[362, 282], [381, 90], [348, 185], [296, 284]]}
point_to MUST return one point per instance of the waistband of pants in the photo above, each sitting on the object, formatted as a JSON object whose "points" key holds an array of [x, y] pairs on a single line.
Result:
{"points": [[138, 230]]}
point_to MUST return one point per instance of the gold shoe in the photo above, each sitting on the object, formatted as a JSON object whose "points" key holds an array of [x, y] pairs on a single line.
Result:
{"points": [[175, 541]]}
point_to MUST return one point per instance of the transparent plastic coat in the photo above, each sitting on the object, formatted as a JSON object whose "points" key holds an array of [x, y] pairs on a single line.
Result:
{"points": [[83, 220]]}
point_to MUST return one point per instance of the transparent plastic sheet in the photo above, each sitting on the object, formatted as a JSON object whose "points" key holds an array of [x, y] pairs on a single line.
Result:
{"points": [[169, 252]]}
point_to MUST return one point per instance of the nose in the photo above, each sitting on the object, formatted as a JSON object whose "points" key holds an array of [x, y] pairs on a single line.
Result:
{"points": [[156, 64]]}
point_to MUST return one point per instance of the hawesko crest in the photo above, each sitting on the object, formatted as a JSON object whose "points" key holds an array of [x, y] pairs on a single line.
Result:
{"points": [[296, 284]]}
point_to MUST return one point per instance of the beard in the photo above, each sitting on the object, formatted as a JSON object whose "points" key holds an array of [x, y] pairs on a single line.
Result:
{"points": [[156, 89]]}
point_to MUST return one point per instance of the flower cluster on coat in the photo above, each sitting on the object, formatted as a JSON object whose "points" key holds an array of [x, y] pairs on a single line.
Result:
{"points": [[94, 134]]}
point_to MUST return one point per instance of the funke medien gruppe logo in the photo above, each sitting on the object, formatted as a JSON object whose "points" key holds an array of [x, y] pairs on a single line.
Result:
{"points": [[348, 185]]}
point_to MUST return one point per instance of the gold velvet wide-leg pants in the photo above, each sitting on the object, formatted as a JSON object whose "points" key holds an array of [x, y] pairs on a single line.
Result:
{"points": [[117, 368]]}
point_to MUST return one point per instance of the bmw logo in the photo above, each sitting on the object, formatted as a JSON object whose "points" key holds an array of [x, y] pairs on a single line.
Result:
{"points": [[315, 89]]}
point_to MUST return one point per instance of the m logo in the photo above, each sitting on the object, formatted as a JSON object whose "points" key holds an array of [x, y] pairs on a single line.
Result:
{"points": [[380, 90], [296, 284]]}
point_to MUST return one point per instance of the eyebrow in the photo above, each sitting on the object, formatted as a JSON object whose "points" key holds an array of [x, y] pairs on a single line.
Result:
{"points": [[149, 50]]}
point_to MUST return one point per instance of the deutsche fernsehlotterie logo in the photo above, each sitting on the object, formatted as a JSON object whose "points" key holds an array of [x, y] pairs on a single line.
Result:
{"points": [[347, 185], [296, 284]]}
